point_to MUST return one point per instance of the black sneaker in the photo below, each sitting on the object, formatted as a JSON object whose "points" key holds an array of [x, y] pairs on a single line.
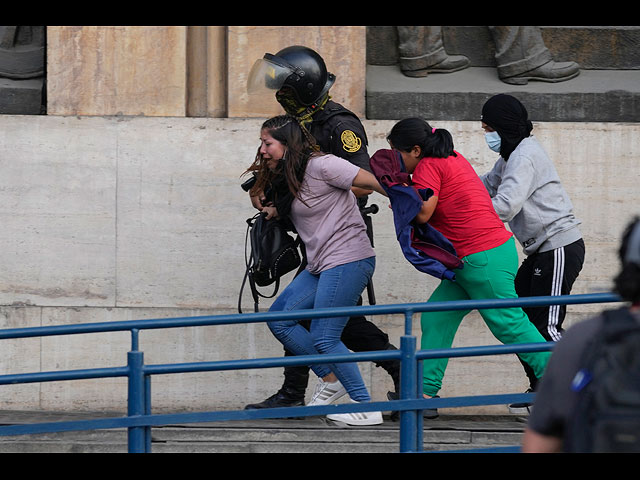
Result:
{"points": [[522, 407], [429, 413], [276, 400]]}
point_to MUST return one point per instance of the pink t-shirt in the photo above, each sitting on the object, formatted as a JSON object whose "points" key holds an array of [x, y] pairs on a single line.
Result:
{"points": [[330, 224]]}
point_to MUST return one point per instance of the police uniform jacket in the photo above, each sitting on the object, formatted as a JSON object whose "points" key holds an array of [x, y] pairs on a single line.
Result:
{"points": [[340, 132]]}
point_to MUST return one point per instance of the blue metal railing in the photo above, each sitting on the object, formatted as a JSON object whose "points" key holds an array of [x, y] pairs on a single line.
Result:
{"points": [[139, 419]]}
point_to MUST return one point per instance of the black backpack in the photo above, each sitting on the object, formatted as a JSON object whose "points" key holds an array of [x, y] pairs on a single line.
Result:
{"points": [[274, 253], [607, 413]]}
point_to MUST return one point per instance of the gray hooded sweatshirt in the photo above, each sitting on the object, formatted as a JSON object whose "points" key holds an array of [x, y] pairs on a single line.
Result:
{"points": [[527, 193]]}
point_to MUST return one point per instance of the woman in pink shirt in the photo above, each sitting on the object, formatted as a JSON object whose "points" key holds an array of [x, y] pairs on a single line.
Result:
{"points": [[340, 258]]}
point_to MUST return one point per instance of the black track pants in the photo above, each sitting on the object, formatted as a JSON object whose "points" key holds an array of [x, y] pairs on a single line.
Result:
{"points": [[549, 273]]}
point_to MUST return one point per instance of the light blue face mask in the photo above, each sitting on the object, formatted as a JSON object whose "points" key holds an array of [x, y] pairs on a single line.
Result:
{"points": [[493, 140]]}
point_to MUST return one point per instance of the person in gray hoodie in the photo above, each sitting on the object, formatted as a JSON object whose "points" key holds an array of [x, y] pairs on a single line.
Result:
{"points": [[527, 194]]}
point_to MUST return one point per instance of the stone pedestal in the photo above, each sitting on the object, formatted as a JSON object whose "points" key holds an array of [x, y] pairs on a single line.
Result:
{"points": [[21, 97], [607, 89], [22, 62]]}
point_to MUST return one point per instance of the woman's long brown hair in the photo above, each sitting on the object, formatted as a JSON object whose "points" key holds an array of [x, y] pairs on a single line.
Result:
{"points": [[300, 145]]}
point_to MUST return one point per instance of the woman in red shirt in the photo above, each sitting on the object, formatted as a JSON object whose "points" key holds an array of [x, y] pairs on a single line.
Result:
{"points": [[461, 209]]}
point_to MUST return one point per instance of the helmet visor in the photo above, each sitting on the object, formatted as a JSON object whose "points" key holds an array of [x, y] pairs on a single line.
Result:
{"points": [[267, 75]]}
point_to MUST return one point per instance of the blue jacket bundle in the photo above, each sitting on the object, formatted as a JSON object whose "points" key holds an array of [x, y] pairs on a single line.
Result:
{"points": [[422, 245]]}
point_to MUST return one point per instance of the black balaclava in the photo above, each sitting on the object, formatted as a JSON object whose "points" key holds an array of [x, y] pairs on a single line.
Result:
{"points": [[507, 116]]}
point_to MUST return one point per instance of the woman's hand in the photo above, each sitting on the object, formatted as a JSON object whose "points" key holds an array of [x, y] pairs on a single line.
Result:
{"points": [[271, 212], [258, 200]]}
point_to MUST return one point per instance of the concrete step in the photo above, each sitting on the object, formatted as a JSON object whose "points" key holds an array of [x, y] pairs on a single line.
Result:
{"points": [[607, 89], [593, 96], [309, 435]]}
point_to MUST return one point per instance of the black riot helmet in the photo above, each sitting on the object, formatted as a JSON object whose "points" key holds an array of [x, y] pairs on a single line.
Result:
{"points": [[296, 70]]}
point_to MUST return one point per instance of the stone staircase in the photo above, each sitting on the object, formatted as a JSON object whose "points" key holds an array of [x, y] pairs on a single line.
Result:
{"points": [[309, 435], [607, 89]]}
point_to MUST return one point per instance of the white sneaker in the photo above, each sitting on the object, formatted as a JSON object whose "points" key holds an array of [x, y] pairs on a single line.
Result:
{"points": [[326, 392], [357, 418]]}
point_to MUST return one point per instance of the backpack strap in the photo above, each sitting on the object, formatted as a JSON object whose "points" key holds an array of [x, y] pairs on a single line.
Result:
{"points": [[248, 261], [249, 264]]}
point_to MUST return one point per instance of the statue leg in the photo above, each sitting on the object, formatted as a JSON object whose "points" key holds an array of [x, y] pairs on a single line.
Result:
{"points": [[521, 55], [422, 52]]}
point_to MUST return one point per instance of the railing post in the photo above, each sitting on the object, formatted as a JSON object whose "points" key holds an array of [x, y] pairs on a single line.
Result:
{"points": [[147, 411], [408, 390], [136, 399]]}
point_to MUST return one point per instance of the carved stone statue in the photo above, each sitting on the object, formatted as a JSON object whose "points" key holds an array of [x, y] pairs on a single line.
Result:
{"points": [[22, 69], [520, 55]]}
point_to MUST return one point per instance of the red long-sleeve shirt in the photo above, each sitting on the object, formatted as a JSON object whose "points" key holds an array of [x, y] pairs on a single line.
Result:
{"points": [[464, 213]]}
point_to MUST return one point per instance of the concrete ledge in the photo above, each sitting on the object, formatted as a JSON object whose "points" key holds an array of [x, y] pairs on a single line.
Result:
{"points": [[593, 96], [21, 97]]}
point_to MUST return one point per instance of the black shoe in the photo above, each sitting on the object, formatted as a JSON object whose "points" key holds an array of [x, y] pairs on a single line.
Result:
{"points": [[392, 367], [276, 400], [429, 413], [522, 407]]}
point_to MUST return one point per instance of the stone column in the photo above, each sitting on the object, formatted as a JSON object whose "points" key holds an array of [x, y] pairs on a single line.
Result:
{"points": [[207, 71]]}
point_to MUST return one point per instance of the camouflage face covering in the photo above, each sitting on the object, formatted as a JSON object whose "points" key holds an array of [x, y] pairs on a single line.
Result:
{"points": [[285, 97]]}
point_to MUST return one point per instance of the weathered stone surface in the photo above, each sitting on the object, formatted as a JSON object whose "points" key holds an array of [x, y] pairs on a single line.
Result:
{"points": [[116, 70], [248, 44]]}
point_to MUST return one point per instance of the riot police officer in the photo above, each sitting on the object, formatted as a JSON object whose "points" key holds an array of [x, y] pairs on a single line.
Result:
{"points": [[300, 78]]}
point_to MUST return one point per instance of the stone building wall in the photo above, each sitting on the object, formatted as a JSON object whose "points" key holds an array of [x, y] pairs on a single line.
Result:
{"points": [[179, 71]]}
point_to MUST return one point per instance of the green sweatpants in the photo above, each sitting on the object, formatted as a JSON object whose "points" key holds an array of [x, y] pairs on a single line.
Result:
{"points": [[488, 274]]}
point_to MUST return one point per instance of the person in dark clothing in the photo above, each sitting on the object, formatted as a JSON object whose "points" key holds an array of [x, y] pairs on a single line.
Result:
{"points": [[528, 194], [301, 81], [558, 421]]}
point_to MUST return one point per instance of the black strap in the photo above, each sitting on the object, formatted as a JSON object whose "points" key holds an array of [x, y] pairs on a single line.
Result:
{"points": [[247, 274]]}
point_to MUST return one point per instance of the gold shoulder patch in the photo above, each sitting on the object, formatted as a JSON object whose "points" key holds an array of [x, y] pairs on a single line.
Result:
{"points": [[350, 141]]}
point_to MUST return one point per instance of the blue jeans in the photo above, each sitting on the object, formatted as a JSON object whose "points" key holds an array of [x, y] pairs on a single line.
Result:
{"points": [[340, 286]]}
